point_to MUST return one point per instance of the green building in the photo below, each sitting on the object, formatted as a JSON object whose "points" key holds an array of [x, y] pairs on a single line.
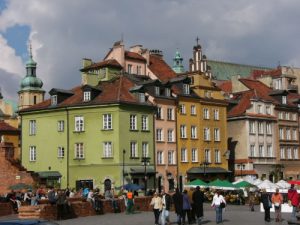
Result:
{"points": [[100, 136]]}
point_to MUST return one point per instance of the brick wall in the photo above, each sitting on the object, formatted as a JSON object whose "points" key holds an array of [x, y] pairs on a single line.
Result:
{"points": [[9, 173]]}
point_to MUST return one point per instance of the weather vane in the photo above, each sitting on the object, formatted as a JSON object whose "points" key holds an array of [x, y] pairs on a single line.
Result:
{"points": [[197, 40]]}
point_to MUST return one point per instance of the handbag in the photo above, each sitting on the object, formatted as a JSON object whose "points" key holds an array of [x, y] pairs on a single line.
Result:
{"points": [[222, 205]]}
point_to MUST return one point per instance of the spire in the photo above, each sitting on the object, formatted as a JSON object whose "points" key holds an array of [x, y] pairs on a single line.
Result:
{"points": [[177, 63], [30, 49]]}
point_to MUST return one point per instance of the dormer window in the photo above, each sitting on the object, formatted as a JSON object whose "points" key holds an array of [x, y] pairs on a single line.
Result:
{"points": [[156, 89], [142, 97], [86, 96], [283, 99], [129, 68], [54, 100], [168, 92], [186, 89]]}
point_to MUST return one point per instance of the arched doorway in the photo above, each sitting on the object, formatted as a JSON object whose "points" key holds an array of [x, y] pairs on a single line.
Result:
{"points": [[107, 185]]}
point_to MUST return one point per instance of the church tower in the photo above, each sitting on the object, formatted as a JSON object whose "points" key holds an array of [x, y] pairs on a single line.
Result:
{"points": [[177, 63], [31, 91]]}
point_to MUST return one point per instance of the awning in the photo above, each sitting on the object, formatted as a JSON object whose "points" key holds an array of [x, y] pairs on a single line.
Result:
{"points": [[141, 170], [49, 174], [208, 170]]}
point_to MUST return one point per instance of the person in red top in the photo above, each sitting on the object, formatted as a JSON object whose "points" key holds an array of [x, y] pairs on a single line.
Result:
{"points": [[294, 198]]}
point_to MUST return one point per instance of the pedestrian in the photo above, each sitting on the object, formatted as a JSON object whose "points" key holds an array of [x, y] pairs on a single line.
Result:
{"points": [[192, 211], [60, 204], [277, 201], [186, 208], [217, 202], [251, 202], [130, 202], [156, 203], [178, 204], [166, 204], [198, 199], [51, 195], [267, 204], [293, 199]]}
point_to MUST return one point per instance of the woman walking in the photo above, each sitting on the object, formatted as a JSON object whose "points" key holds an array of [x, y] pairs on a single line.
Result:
{"points": [[186, 208], [218, 199], [267, 204], [156, 202], [277, 201]]}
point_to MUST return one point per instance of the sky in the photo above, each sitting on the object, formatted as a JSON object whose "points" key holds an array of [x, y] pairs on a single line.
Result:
{"points": [[62, 32]]}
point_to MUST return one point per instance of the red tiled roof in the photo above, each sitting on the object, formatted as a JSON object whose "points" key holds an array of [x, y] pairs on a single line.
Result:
{"points": [[261, 90], [6, 127], [226, 86], [114, 91], [105, 63], [161, 69], [243, 105], [259, 73], [134, 56]]}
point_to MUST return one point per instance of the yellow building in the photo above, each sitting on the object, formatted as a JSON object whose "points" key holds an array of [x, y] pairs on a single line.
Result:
{"points": [[201, 125]]}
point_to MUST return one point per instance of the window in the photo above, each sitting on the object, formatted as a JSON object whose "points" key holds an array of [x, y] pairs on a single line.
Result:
{"points": [[207, 156], [129, 68], [107, 121], [252, 127], [289, 153], [278, 84], [193, 110], [216, 114], [159, 114], [86, 96], [260, 151], [133, 149], [259, 109], [280, 115], [186, 89], [183, 155], [54, 100], [171, 157], [157, 91], [142, 97], [170, 114], [145, 123], [133, 122], [32, 127], [252, 150], [32, 153], [268, 110], [217, 156], [269, 151], [79, 124], [268, 128], [287, 116], [283, 99], [294, 134], [282, 153], [207, 94], [145, 149], [206, 134], [182, 109], [206, 114], [295, 150], [194, 155], [160, 157], [107, 149], [79, 151], [60, 152], [288, 134], [182, 131], [159, 134], [138, 70], [193, 132], [168, 92], [217, 134], [171, 135], [294, 116], [60, 126], [281, 137], [260, 128]]}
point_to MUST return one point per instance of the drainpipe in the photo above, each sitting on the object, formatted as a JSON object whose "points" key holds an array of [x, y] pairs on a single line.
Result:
{"points": [[68, 147]]}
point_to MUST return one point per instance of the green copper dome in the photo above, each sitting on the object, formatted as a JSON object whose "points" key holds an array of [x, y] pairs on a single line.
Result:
{"points": [[177, 63], [30, 82]]}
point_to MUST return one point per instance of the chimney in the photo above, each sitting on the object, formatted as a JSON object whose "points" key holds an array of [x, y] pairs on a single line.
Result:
{"points": [[86, 62], [156, 52]]}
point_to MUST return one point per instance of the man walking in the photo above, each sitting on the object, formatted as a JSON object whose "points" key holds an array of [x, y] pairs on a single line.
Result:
{"points": [[293, 200], [198, 199], [178, 203], [166, 204]]}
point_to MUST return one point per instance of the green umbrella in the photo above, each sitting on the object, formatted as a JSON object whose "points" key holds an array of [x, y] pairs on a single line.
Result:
{"points": [[221, 184], [244, 184], [197, 182]]}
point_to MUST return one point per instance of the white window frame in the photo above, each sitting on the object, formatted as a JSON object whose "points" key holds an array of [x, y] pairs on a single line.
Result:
{"points": [[159, 113], [133, 149], [182, 109], [32, 127], [107, 121], [107, 149], [159, 134], [194, 132], [193, 110], [133, 122], [206, 113], [289, 153], [268, 110], [296, 153], [145, 123], [207, 155], [171, 135], [280, 115], [281, 134], [294, 134], [160, 157], [206, 134], [157, 90], [79, 123], [53, 99], [60, 152], [216, 114], [282, 153], [194, 155], [79, 150], [129, 68], [186, 89], [217, 156], [288, 134], [145, 149], [269, 151], [142, 97], [261, 151], [60, 125], [217, 134], [171, 157], [252, 127], [260, 127], [170, 114], [269, 128], [294, 116], [287, 115], [284, 99], [183, 131], [252, 150], [167, 92], [32, 153], [259, 109], [86, 96], [183, 155]]}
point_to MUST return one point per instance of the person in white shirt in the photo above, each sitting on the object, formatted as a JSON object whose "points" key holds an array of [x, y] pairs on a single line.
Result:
{"points": [[156, 202], [216, 203]]}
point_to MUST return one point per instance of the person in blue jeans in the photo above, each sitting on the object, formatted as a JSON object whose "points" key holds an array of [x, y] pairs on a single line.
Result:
{"points": [[216, 203]]}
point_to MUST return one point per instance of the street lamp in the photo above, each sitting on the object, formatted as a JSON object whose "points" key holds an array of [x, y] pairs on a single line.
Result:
{"points": [[205, 164], [145, 161], [124, 152]]}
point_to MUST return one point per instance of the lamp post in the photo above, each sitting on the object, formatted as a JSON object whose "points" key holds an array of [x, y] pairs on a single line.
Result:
{"points": [[204, 164], [145, 161], [124, 152]]}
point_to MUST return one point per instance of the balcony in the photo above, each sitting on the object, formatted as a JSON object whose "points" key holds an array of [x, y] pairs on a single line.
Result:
{"points": [[293, 88]]}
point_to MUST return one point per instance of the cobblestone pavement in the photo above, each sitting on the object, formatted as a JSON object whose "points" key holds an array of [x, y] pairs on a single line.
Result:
{"points": [[235, 215]]}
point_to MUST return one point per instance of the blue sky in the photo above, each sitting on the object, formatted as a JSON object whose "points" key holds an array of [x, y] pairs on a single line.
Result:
{"points": [[249, 32]]}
